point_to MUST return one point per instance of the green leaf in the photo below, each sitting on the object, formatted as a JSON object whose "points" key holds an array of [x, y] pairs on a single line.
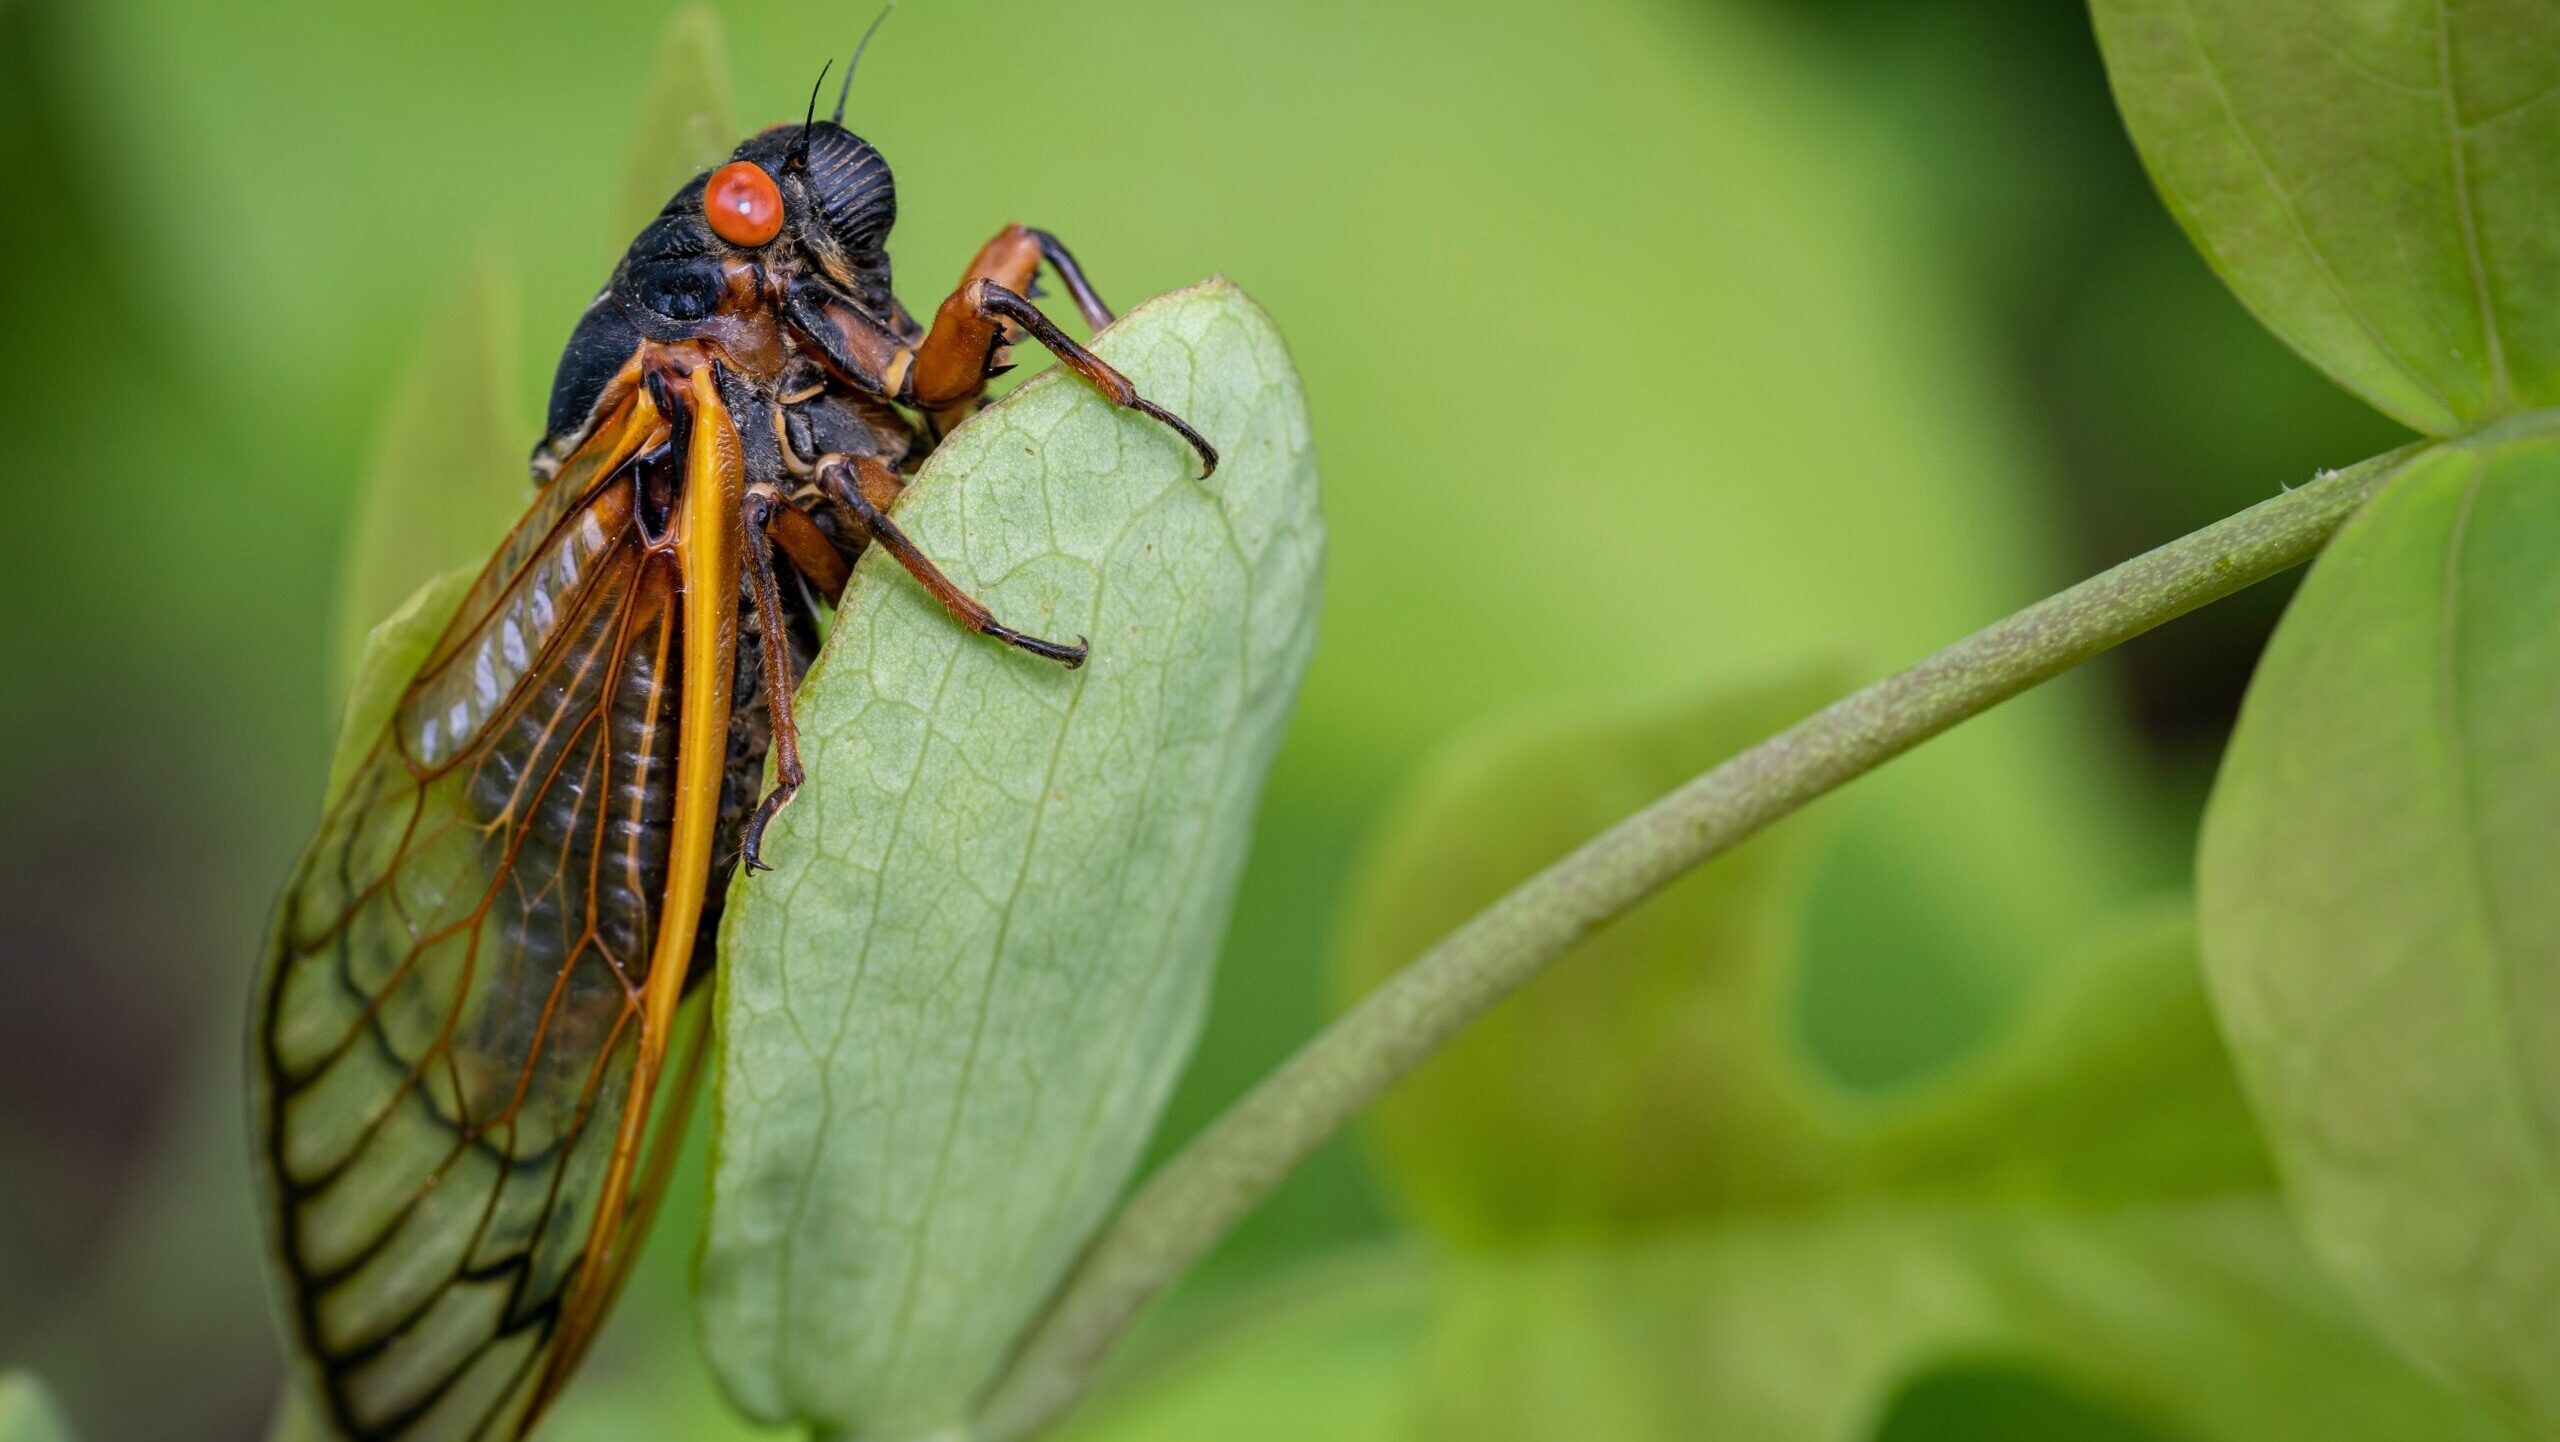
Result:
{"points": [[2206, 1318], [688, 124], [2374, 180], [1515, 1131], [950, 1014], [28, 1412], [448, 475], [2380, 922]]}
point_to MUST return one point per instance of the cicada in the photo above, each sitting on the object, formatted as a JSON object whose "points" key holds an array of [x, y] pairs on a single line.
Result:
{"points": [[467, 1066]]}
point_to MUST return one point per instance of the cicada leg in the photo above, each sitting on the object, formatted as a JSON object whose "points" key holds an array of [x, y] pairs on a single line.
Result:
{"points": [[945, 375], [953, 364], [855, 483], [771, 522], [865, 488], [1061, 260]]}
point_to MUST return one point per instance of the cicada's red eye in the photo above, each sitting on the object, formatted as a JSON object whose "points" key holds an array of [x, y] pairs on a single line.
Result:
{"points": [[743, 204]]}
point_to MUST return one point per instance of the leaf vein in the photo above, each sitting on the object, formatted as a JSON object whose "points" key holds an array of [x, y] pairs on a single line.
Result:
{"points": [[2464, 208], [2473, 861]]}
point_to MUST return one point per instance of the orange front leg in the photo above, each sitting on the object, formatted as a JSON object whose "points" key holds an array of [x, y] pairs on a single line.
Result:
{"points": [[959, 355]]}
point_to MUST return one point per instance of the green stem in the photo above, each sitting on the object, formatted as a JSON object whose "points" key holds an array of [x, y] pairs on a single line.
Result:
{"points": [[1178, 1214]]}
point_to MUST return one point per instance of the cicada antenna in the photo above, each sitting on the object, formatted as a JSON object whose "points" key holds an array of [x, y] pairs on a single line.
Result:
{"points": [[798, 154], [858, 47]]}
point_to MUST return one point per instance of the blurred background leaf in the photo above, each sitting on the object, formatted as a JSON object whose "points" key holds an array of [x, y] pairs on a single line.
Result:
{"points": [[2086, 1199], [28, 1412], [2204, 1322], [1849, 324], [1652, 1076], [449, 475], [2378, 915], [1325, 1350], [2374, 180], [687, 124], [1980, 1273], [2113, 1089]]}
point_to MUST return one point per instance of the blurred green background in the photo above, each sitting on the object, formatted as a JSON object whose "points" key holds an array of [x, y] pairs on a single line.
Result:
{"points": [[1654, 347]]}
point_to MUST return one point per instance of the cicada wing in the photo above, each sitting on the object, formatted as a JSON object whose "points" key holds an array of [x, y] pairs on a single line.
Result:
{"points": [[457, 1025]]}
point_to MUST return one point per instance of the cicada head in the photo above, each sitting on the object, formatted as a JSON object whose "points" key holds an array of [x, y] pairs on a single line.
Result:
{"points": [[830, 196], [792, 200], [850, 185]]}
